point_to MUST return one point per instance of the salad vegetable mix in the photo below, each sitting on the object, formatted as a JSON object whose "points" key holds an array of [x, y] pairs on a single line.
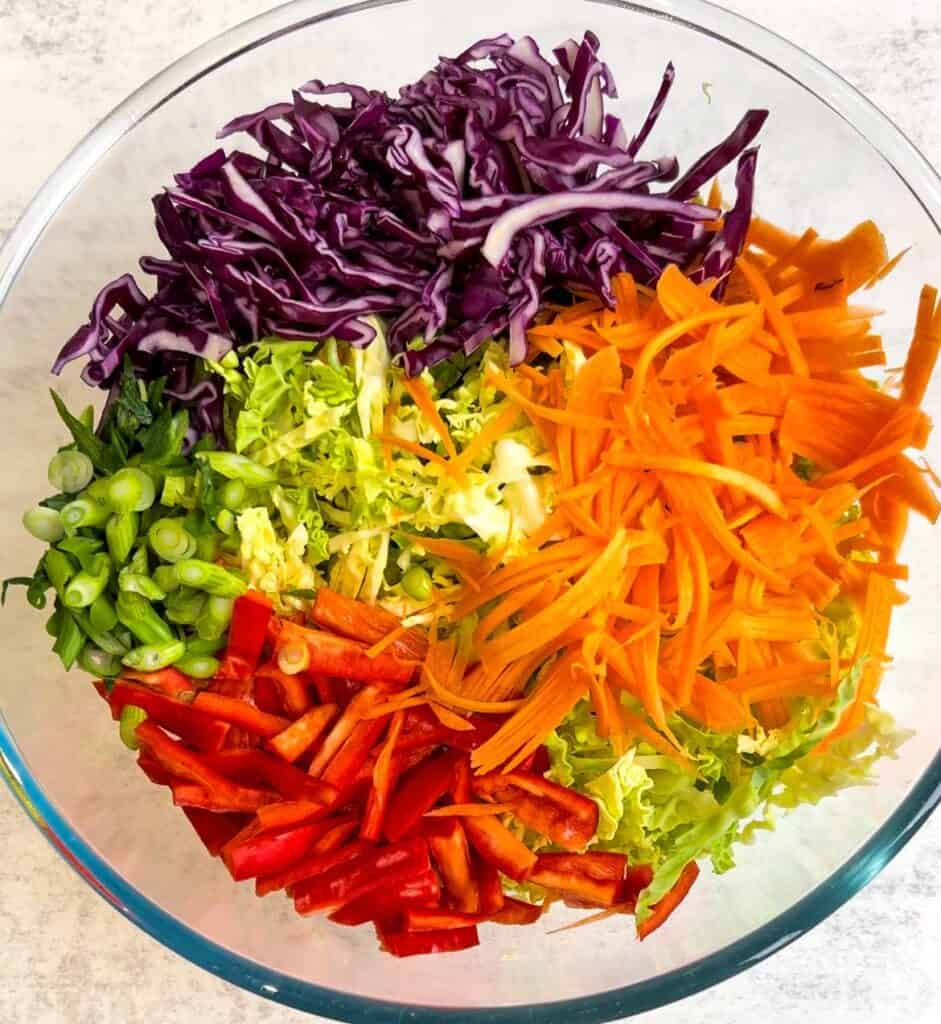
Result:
{"points": [[482, 517]]}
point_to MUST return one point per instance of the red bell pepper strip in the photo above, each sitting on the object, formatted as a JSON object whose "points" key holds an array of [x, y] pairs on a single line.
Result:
{"points": [[249, 627], [601, 866], [418, 791], [255, 766], [462, 782], [449, 940], [386, 866], [155, 771], [343, 728], [326, 853], [635, 880], [194, 727], [240, 713], [516, 912], [178, 760], [386, 905], [425, 919], [215, 830], [249, 854], [662, 910], [337, 656], [575, 883], [168, 681], [451, 854], [343, 769], [266, 695], [490, 887], [239, 799], [292, 688], [327, 690], [497, 845], [360, 621], [383, 779], [568, 818], [301, 735], [233, 677], [289, 814]]}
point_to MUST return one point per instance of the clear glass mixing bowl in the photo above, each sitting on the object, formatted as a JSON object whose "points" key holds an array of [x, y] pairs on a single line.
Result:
{"points": [[828, 158]]}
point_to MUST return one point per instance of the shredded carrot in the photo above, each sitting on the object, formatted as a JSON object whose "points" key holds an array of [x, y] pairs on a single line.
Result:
{"points": [[420, 395], [413, 447]]}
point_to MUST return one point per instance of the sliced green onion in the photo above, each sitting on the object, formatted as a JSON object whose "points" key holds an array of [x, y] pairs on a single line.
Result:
{"points": [[199, 666], [120, 533], [131, 490], [239, 467], [225, 521], [212, 578], [207, 545], [417, 583], [84, 512], [139, 616], [166, 578], [184, 606], [102, 615], [198, 645], [59, 568], [293, 658], [97, 490], [70, 471], [233, 494], [231, 545], [138, 583], [70, 641], [151, 657], [170, 541], [89, 584], [215, 618], [44, 524], [131, 717], [99, 663], [109, 641], [53, 623]]}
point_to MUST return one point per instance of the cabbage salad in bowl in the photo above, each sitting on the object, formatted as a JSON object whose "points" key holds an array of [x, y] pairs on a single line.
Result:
{"points": [[484, 515]]}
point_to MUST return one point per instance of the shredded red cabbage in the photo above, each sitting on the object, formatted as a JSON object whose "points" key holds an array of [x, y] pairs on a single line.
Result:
{"points": [[452, 210]]}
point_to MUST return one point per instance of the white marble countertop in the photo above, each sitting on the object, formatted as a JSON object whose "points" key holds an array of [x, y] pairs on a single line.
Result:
{"points": [[66, 955]]}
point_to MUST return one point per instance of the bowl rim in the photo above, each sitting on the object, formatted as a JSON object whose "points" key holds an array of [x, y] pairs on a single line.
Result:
{"points": [[706, 18]]}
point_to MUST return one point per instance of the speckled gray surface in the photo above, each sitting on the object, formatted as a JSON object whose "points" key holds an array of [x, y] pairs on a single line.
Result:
{"points": [[67, 956]]}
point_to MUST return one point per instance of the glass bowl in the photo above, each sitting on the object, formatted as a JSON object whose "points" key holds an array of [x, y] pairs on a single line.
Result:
{"points": [[828, 158]]}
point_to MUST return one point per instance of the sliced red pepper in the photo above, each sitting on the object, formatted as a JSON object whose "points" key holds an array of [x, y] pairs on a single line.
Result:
{"points": [[251, 854], [386, 905], [516, 912], [254, 766], [451, 854], [289, 814], [328, 852], [601, 865], [383, 779], [462, 784], [425, 919], [155, 771], [388, 865], [327, 690], [215, 830], [449, 940], [575, 883], [238, 712], [497, 845], [568, 818], [418, 791], [665, 907], [238, 799], [360, 621], [492, 898], [337, 656], [266, 695], [292, 689], [301, 735], [344, 767], [635, 880], [233, 676], [194, 727], [538, 762], [168, 681], [343, 728], [249, 627], [178, 760]]}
